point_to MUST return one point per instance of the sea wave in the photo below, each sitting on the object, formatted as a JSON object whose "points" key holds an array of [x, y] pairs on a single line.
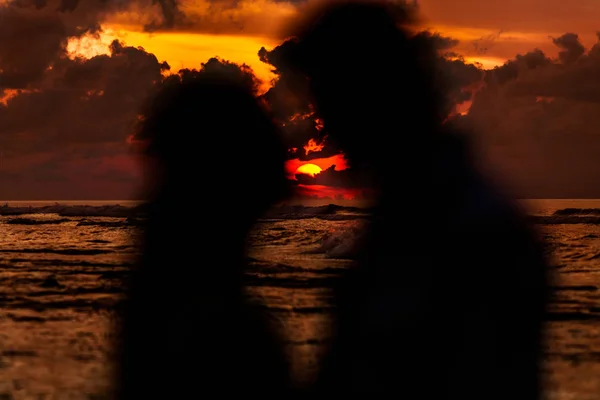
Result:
{"points": [[118, 223], [569, 216], [331, 212], [61, 210], [343, 244], [578, 211]]}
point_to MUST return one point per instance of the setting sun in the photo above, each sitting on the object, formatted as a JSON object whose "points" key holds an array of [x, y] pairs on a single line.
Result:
{"points": [[309, 169]]}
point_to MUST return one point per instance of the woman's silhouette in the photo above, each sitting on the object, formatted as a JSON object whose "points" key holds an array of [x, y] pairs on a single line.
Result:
{"points": [[187, 328]]}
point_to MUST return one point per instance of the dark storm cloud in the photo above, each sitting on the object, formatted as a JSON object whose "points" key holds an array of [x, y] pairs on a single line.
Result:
{"points": [[221, 16], [512, 68], [241, 74], [64, 122], [290, 102], [534, 119], [438, 41], [171, 16], [214, 16], [290, 99], [537, 121], [454, 73], [71, 118], [575, 77], [34, 35], [87, 15], [95, 100], [29, 42], [571, 47], [74, 130]]}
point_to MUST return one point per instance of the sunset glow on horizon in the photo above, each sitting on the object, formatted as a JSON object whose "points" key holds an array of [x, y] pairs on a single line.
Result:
{"points": [[190, 49], [330, 192], [66, 106], [338, 161], [295, 197], [182, 50]]}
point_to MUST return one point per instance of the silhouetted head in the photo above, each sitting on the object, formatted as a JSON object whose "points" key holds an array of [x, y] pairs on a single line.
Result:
{"points": [[216, 147], [373, 85]]}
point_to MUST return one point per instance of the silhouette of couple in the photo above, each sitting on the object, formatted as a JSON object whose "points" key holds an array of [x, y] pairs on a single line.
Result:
{"points": [[448, 296]]}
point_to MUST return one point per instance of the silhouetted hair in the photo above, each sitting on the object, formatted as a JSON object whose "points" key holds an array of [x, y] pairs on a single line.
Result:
{"points": [[215, 131]]}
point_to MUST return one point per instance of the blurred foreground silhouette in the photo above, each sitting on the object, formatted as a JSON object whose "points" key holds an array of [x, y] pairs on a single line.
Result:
{"points": [[448, 299], [187, 329]]}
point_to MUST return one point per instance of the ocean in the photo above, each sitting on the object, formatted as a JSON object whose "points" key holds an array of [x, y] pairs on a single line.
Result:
{"points": [[62, 264]]}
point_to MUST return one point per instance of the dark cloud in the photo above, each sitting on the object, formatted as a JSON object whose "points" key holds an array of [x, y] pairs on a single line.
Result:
{"points": [[534, 119], [440, 42], [34, 34], [571, 47], [537, 119], [205, 16], [512, 68], [83, 114], [454, 74], [80, 16], [171, 16], [214, 16], [347, 178], [291, 101], [66, 124], [29, 43], [106, 89], [575, 77], [74, 111]]}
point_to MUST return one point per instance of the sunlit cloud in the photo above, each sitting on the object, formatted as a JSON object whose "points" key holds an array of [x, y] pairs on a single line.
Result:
{"points": [[8, 94], [313, 146], [190, 50], [89, 45]]}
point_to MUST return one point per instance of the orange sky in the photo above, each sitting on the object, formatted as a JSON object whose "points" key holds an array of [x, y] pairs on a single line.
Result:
{"points": [[489, 32], [184, 50]]}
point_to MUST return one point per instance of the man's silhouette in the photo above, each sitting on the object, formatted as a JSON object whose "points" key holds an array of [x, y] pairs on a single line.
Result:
{"points": [[448, 298], [187, 328]]}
